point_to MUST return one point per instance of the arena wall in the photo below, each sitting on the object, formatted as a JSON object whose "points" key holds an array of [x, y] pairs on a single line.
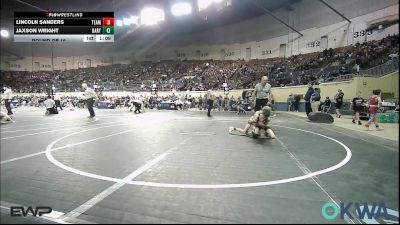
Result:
{"points": [[388, 84]]}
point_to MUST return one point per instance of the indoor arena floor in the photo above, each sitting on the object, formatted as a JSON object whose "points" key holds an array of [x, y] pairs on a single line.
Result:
{"points": [[183, 167]]}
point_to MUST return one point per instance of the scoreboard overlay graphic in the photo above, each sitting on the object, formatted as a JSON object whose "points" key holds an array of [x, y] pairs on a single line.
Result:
{"points": [[63, 26]]}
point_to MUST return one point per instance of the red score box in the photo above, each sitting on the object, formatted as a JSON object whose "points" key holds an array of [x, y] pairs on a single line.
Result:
{"points": [[108, 21]]}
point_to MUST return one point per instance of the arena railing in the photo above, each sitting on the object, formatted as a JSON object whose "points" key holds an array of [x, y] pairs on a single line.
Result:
{"points": [[381, 70]]}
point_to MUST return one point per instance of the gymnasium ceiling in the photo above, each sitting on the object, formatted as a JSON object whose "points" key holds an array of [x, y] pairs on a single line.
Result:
{"points": [[173, 27]]}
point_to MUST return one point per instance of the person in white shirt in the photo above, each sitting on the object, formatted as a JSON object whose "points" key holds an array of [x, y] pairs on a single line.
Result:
{"points": [[261, 93], [49, 104], [7, 100], [89, 95]]}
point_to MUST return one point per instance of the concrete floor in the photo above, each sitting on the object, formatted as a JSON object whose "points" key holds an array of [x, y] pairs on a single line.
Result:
{"points": [[182, 167]]}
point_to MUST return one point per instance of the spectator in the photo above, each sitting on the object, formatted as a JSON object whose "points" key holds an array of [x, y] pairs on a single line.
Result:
{"points": [[326, 105], [374, 103], [358, 106], [315, 100], [296, 102], [307, 98], [290, 101], [339, 102]]}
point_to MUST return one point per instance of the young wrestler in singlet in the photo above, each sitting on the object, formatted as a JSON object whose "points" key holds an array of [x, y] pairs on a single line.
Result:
{"points": [[260, 120]]}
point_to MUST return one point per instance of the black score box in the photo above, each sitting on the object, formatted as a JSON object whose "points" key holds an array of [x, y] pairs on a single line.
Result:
{"points": [[61, 30], [56, 22]]}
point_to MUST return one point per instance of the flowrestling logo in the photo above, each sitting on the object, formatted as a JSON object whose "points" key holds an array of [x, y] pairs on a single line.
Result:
{"points": [[375, 213]]}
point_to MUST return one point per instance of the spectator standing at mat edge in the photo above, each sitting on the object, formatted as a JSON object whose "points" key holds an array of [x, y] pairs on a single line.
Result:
{"points": [[290, 101], [260, 93], [358, 106], [315, 99], [89, 95], [296, 102], [339, 102], [325, 106], [307, 98], [374, 103]]}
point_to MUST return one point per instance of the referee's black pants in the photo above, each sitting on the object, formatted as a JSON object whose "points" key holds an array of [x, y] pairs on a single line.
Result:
{"points": [[58, 104], [7, 103], [260, 103], [89, 103], [210, 104], [308, 108]]}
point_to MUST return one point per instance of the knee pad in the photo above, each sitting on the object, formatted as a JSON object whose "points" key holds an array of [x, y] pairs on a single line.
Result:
{"points": [[255, 136]]}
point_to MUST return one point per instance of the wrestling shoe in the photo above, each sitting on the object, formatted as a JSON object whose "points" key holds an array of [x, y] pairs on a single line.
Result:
{"points": [[231, 129], [367, 127], [359, 123]]}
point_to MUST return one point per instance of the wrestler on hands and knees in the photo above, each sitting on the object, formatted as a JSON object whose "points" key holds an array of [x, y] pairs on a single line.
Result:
{"points": [[260, 120]]}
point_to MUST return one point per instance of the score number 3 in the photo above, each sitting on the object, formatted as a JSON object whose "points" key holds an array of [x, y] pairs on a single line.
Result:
{"points": [[108, 21]]}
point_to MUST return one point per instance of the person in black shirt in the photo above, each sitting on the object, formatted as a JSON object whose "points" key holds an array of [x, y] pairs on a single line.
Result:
{"points": [[339, 102], [326, 105], [290, 101], [358, 106], [307, 98], [296, 102]]}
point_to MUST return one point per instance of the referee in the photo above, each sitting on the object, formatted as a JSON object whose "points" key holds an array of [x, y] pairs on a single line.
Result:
{"points": [[89, 96], [7, 100], [260, 94], [210, 101]]}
